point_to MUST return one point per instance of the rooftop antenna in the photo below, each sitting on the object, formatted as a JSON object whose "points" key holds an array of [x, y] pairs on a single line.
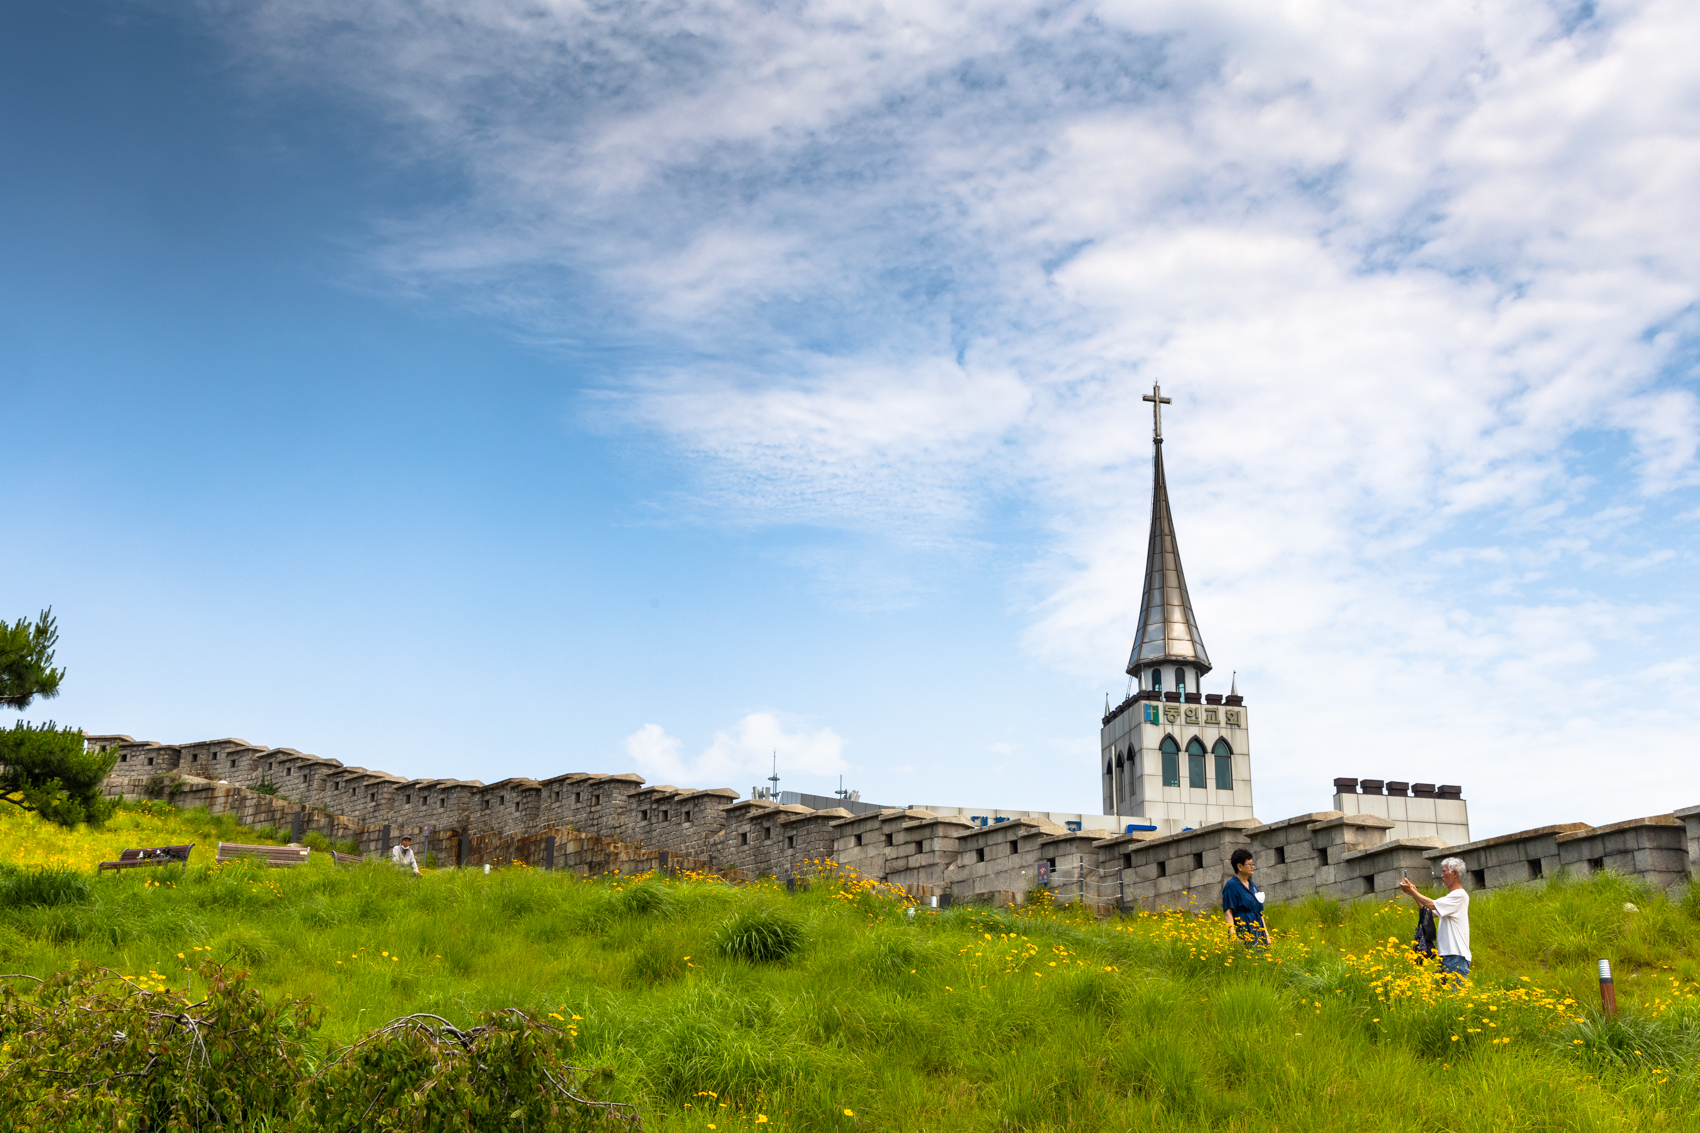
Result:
{"points": [[773, 792], [841, 792], [1234, 689]]}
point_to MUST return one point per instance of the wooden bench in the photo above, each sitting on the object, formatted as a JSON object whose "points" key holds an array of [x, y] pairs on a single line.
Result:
{"points": [[346, 859], [156, 855], [270, 855]]}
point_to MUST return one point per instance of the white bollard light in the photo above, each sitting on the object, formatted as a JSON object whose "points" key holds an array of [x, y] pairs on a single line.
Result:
{"points": [[1608, 992]]}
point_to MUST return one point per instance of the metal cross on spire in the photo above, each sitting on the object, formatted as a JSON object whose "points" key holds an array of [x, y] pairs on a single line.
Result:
{"points": [[1157, 400], [1168, 631]]}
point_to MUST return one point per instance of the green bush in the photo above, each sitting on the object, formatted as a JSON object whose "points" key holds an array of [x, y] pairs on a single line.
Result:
{"points": [[90, 1050], [1689, 901], [645, 898], [1628, 1042], [243, 944], [421, 1074], [760, 935], [93, 1050], [320, 842], [43, 886], [656, 960]]}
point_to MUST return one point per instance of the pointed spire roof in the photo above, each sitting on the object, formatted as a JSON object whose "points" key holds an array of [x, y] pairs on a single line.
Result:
{"points": [[1168, 629]]}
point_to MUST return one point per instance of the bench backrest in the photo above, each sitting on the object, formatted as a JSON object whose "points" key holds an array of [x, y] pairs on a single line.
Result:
{"points": [[271, 855], [164, 853]]}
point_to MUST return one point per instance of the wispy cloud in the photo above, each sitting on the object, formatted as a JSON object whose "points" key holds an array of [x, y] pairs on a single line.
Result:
{"points": [[901, 445], [893, 264]]}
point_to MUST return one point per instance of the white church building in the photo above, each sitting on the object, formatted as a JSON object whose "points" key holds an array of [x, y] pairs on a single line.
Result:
{"points": [[1172, 756]]}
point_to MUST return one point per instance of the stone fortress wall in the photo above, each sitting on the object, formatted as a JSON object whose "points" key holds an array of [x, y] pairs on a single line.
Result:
{"points": [[593, 823]]}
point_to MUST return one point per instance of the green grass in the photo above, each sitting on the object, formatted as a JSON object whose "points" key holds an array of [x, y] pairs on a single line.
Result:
{"points": [[698, 995]]}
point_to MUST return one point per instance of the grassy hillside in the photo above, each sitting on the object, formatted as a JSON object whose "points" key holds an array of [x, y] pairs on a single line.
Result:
{"points": [[837, 1008], [25, 840]]}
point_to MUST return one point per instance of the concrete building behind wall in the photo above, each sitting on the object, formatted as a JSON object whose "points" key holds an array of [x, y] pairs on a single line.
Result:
{"points": [[1417, 810]]}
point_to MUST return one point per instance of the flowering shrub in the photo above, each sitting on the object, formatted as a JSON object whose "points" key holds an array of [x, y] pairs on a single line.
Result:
{"points": [[871, 896]]}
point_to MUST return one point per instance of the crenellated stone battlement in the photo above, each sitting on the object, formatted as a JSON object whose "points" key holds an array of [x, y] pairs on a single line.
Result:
{"points": [[597, 822]]}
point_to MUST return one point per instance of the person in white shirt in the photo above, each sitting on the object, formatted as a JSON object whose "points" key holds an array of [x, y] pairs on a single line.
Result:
{"points": [[1451, 917], [403, 857]]}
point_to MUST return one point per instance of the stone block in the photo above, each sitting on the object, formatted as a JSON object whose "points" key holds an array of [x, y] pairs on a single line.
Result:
{"points": [[1511, 873], [1617, 842], [1496, 857], [1689, 816]]}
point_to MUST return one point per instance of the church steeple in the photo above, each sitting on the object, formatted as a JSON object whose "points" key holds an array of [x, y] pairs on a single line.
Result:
{"points": [[1168, 630], [1184, 761]]}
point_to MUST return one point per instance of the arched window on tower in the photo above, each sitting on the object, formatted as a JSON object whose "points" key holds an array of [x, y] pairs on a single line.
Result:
{"points": [[1224, 765], [1171, 762], [1195, 763], [1156, 680], [1180, 680]]}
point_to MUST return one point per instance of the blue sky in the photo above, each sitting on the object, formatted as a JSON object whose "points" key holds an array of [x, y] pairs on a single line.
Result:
{"points": [[481, 389]]}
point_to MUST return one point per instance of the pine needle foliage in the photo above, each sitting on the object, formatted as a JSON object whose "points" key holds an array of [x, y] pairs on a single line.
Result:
{"points": [[26, 661], [45, 768]]}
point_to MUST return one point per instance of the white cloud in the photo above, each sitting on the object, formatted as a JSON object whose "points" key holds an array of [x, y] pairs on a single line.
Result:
{"points": [[743, 754], [656, 754], [1393, 262]]}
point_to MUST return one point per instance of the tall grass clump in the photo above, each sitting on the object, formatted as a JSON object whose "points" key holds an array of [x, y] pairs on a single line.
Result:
{"points": [[43, 886], [761, 935], [316, 840]]}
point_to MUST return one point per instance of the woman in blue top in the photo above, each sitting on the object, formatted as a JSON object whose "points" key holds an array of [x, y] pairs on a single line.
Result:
{"points": [[1242, 901]]}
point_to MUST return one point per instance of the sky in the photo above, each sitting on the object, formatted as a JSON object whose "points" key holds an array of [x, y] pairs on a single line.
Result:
{"points": [[490, 388]]}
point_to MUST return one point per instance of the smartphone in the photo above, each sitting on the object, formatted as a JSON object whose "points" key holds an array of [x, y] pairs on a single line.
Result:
{"points": [[1404, 875]]}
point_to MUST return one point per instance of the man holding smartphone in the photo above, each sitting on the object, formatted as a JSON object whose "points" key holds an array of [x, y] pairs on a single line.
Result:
{"points": [[1451, 915]]}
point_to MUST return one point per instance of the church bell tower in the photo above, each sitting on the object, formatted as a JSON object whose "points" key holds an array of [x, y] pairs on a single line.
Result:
{"points": [[1173, 756]]}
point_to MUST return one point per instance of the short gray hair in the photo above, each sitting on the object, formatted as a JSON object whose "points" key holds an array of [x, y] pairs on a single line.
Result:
{"points": [[1455, 865]]}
